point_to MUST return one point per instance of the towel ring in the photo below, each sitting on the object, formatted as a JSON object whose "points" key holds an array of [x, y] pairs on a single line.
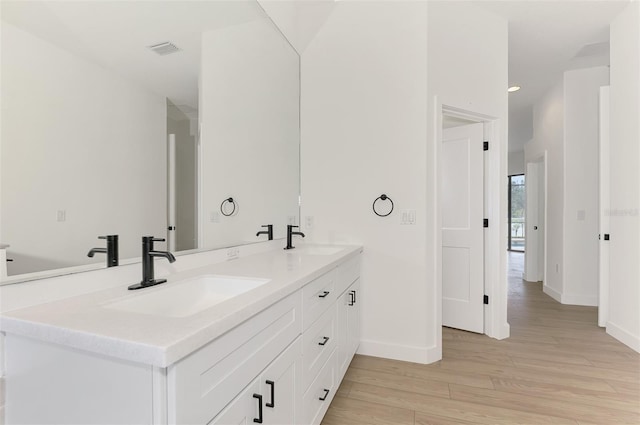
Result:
{"points": [[382, 197], [229, 201]]}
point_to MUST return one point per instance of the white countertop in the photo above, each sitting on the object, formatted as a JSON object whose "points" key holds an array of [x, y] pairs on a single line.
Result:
{"points": [[83, 322]]}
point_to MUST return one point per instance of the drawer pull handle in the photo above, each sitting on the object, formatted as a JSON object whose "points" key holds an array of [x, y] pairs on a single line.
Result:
{"points": [[324, 397], [273, 394], [259, 419], [324, 294], [325, 339], [352, 297]]}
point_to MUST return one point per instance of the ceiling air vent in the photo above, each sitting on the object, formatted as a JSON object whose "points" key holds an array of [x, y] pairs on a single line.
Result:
{"points": [[165, 48]]}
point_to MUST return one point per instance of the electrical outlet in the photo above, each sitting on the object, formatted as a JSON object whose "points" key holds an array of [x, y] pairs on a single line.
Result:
{"points": [[215, 217], [62, 215], [292, 220], [308, 222]]}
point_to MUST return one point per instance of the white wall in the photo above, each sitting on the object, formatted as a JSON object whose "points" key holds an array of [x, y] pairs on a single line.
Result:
{"points": [[368, 114], [581, 180], [468, 69], [566, 127], [548, 136], [624, 296], [364, 133], [78, 138], [249, 127], [516, 163]]}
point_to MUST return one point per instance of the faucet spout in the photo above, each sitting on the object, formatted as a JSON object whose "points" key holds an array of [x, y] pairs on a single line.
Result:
{"points": [[95, 251], [165, 254]]}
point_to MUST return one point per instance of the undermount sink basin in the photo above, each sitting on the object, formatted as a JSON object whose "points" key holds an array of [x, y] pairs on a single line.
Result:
{"points": [[188, 297], [320, 250]]}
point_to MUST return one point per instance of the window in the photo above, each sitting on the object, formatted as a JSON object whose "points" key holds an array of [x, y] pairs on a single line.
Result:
{"points": [[516, 213]]}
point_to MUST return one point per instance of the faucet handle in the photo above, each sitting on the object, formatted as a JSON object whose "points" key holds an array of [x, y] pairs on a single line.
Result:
{"points": [[152, 239], [109, 237]]}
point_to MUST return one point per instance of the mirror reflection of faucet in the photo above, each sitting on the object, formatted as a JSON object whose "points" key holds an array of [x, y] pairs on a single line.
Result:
{"points": [[290, 234], [268, 232], [148, 254], [111, 250]]}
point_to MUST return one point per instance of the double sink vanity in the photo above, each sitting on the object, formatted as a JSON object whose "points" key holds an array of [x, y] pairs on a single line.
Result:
{"points": [[264, 338]]}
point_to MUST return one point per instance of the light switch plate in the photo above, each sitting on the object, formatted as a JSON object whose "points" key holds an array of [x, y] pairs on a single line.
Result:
{"points": [[408, 217]]}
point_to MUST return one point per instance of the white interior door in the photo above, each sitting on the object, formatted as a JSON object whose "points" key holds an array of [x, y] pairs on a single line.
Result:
{"points": [[603, 302], [462, 228], [531, 258]]}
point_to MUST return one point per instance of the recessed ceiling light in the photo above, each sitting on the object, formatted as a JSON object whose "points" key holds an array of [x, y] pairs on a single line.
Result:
{"points": [[513, 88]]}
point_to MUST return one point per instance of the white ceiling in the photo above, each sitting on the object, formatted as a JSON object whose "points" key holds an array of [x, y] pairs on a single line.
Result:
{"points": [[116, 34], [547, 38]]}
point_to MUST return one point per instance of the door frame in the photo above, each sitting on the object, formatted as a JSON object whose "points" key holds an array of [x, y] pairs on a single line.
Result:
{"points": [[604, 204], [495, 249]]}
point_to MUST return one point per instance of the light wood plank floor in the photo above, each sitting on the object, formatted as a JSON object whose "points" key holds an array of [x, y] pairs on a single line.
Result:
{"points": [[558, 366]]}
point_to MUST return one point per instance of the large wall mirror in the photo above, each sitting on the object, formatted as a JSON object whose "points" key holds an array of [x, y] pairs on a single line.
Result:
{"points": [[141, 118]]}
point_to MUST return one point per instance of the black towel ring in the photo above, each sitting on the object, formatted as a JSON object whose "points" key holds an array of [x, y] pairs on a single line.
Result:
{"points": [[230, 201], [382, 197]]}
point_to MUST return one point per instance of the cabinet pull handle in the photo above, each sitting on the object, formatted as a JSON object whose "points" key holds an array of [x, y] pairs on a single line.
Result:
{"points": [[324, 294], [325, 339], [259, 419], [324, 397], [352, 297], [273, 394]]}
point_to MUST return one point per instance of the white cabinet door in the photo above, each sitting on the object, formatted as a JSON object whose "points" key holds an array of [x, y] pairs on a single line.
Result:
{"points": [[348, 326], [280, 385], [353, 310], [244, 409]]}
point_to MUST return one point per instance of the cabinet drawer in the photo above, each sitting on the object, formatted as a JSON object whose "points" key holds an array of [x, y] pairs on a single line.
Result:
{"points": [[318, 342], [317, 297], [316, 400], [347, 273], [203, 383]]}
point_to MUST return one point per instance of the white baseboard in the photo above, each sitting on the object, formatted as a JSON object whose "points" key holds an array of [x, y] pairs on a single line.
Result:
{"points": [[407, 353], [505, 331], [552, 293], [624, 336], [580, 300]]}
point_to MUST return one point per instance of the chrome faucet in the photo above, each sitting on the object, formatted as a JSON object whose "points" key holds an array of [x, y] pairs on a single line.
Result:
{"points": [[290, 234], [268, 232], [111, 250], [148, 255]]}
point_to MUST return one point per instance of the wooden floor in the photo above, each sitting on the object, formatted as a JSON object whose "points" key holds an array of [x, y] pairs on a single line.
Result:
{"points": [[558, 366]]}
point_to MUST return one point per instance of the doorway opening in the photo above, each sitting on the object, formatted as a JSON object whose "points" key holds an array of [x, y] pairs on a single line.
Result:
{"points": [[470, 228], [516, 213]]}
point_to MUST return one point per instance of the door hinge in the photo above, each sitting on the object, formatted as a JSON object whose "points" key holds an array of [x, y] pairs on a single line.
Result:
{"points": [[485, 145], [485, 222], [486, 299]]}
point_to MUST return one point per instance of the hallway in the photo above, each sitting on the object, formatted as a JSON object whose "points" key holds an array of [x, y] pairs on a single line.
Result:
{"points": [[558, 366]]}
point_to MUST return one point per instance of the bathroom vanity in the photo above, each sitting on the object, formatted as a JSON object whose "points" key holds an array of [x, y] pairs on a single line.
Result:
{"points": [[264, 338]]}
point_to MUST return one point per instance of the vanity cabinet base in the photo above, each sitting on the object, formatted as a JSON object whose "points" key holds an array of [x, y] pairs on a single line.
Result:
{"points": [[48, 383]]}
